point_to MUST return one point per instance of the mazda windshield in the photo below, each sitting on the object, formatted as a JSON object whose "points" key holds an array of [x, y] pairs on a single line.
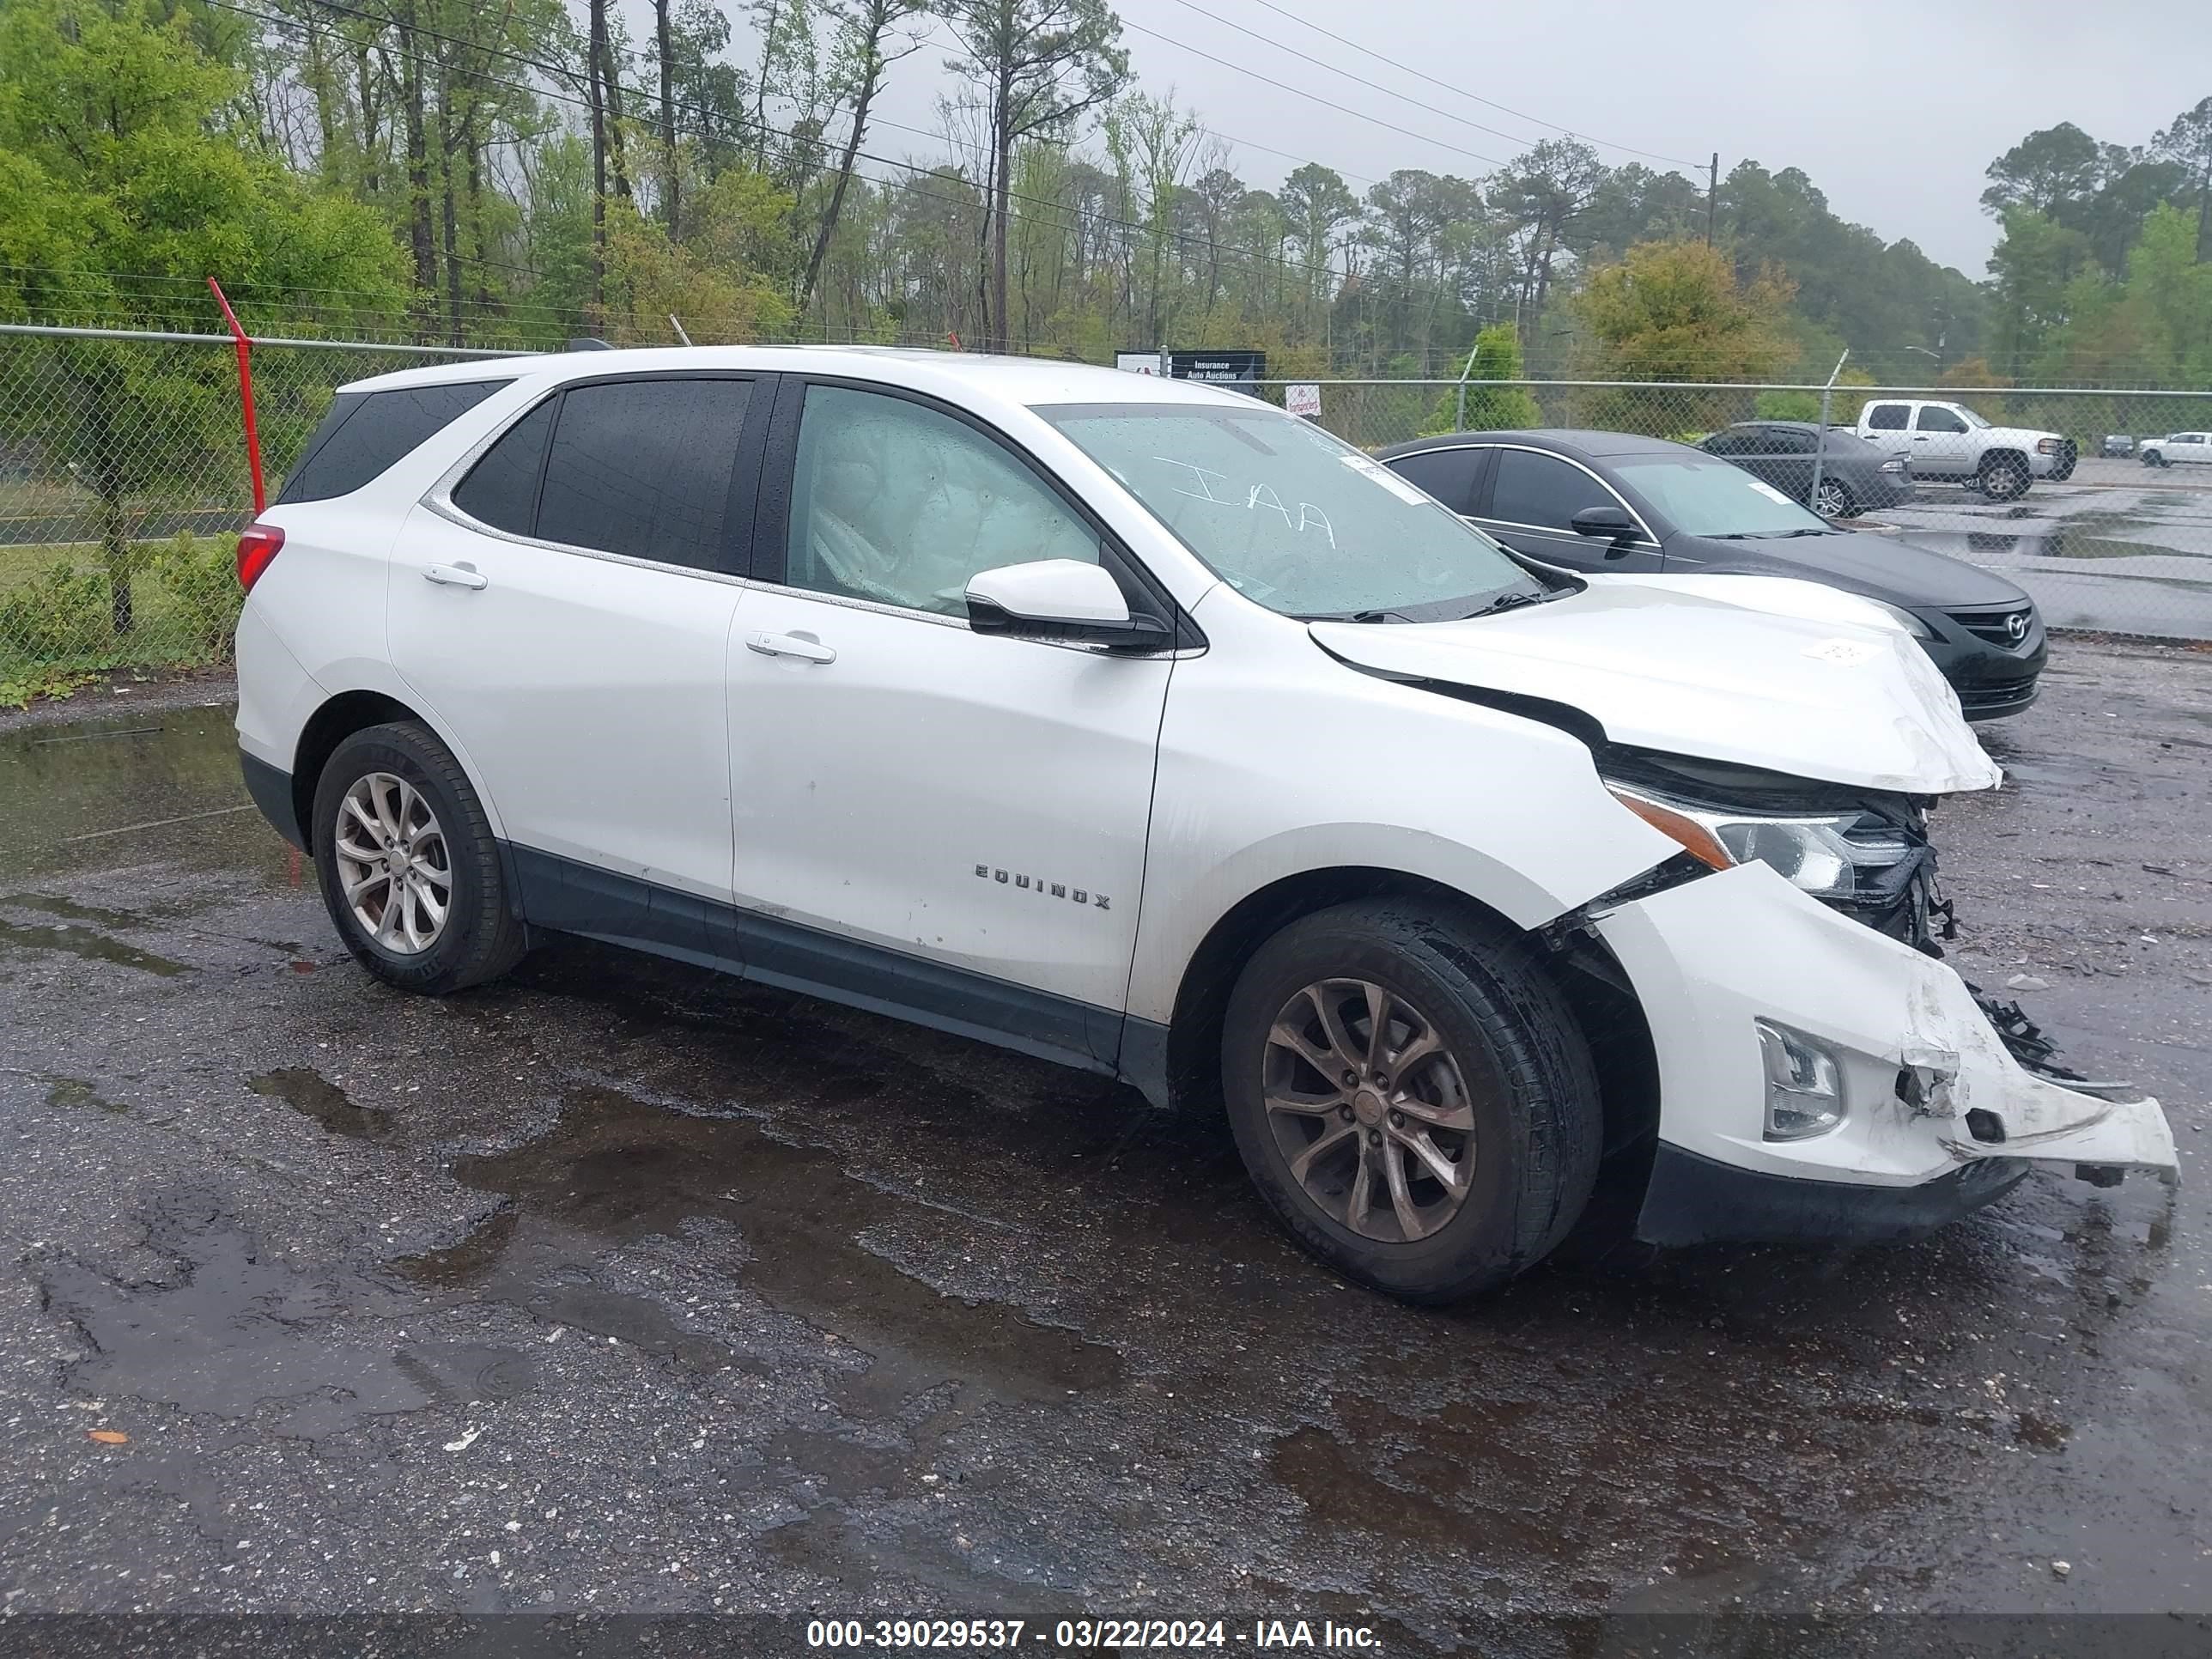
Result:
{"points": [[1293, 517]]}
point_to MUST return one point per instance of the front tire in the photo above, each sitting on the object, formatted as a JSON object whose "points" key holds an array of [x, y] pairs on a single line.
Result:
{"points": [[1412, 1097], [410, 870], [2003, 479]]}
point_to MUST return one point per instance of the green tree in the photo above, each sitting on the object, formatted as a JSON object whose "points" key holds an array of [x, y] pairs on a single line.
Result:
{"points": [[2187, 145], [1483, 404], [119, 158], [1039, 64], [1674, 311]]}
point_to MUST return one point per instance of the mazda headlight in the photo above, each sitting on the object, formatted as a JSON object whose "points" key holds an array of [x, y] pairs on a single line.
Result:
{"points": [[1820, 855], [1910, 623]]}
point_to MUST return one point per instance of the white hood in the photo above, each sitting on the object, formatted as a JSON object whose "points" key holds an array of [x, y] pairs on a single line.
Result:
{"points": [[1762, 672]]}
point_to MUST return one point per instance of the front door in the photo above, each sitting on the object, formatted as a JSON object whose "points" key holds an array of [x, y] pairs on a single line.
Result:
{"points": [[565, 614], [926, 818], [1942, 444], [1532, 500]]}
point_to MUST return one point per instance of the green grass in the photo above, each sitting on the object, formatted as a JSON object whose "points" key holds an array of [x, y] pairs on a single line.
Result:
{"points": [[55, 626]]}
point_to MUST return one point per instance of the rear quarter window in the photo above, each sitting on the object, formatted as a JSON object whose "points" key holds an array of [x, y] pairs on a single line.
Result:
{"points": [[365, 432]]}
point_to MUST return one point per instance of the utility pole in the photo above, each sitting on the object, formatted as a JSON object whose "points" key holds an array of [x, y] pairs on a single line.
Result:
{"points": [[1712, 195]]}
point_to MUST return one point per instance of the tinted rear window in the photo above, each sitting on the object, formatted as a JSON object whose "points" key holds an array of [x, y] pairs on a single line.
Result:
{"points": [[1886, 417], [366, 432], [1446, 474], [643, 467], [502, 489]]}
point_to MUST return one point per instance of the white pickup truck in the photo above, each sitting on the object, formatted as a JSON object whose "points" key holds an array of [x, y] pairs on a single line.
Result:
{"points": [[1949, 441]]}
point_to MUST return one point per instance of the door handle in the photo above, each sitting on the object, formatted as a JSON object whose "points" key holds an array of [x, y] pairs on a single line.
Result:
{"points": [[455, 575], [791, 644]]}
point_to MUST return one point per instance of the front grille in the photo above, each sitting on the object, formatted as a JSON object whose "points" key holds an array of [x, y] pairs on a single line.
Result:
{"points": [[1995, 697], [1996, 626]]}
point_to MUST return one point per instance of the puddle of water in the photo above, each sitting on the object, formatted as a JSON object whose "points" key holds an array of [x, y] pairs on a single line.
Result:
{"points": [[616, 1168], [307, 1092], [73, 940], [75, 1092], [234, 1334], [152, 780]]}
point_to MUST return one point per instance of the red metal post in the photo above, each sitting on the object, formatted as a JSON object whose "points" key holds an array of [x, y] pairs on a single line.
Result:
{"points": [[245, 394]]}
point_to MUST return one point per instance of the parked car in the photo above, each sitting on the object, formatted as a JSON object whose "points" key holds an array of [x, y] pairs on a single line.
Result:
{"points": [[1589, 501], [1138, 725], [2118, 446], [2179, 449], [1855, 476], [1949, 441]]}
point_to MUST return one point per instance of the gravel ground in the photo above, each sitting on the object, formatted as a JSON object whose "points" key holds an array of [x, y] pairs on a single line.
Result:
{"points": [[617, 1287]]}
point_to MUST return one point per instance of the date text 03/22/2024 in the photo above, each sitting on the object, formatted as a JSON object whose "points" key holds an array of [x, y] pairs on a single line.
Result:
{"points": [[1091, 1635]]}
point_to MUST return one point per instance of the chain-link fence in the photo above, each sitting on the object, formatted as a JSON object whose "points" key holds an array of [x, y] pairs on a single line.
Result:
{"points": [[124, 483], [124, 479], [2098, 502]]}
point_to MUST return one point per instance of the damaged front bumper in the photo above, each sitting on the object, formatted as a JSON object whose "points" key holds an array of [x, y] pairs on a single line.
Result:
{"points": [[1938, 1116]]}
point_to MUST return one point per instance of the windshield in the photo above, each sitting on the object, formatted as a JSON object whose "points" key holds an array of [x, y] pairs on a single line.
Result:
{"points": [[1291, 517], [1712, 498], [1968, 416]]}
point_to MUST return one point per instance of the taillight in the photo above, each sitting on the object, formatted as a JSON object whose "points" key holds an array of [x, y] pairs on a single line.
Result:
{"points": [[258, 544]]}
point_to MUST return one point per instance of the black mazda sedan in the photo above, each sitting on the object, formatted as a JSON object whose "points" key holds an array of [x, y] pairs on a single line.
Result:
{"points": [[1597, 501]]}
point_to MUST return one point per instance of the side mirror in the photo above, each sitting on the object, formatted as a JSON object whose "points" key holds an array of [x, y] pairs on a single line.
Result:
{"points": [[1612, 522], [1063, 599]]}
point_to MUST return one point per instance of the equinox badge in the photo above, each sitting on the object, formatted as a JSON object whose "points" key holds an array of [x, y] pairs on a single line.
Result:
{"points": [[1037, 884]]}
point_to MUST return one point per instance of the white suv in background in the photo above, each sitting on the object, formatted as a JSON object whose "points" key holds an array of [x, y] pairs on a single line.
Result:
{"points": [[1949, 441], [2178, 449], [1140, 726]]}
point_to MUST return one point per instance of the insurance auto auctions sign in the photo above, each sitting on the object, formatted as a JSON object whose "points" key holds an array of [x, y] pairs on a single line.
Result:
{"points": [[1239, 371]]}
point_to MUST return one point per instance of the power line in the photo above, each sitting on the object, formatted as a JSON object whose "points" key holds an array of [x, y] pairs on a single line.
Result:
{"points": [[1336, 69], [1492, 103], [1209, 132], [1300, 92], [1058, 207]]}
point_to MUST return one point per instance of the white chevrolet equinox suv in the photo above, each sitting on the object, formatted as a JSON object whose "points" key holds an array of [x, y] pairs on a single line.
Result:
{"points": [[1144, 727]]}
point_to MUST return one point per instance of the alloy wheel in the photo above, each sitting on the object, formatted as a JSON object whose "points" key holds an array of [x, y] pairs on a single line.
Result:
{"points": [[1369, 1109], [1829, 500], [393, 864]]}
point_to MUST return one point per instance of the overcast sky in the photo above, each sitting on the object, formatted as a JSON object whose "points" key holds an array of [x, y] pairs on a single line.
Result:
{"points": [[1892, 109]]}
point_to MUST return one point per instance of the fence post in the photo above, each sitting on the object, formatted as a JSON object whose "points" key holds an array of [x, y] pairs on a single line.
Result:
{"points": [[1820, 435], [245, 393], [1460, 423]]}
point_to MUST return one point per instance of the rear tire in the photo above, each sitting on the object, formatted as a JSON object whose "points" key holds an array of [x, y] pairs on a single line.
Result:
{"points": [[1833, 500], [409, 869], [1497, 1093]]}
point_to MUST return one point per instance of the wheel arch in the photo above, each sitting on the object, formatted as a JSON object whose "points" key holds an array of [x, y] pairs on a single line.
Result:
{"points": [[1596, 989], [339, 718]]}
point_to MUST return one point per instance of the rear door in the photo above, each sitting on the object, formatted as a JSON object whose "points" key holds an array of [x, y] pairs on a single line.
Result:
{"points": [[1530, 505], [563, 606], [1785, 460], [1453, 474], [1889, 428]]}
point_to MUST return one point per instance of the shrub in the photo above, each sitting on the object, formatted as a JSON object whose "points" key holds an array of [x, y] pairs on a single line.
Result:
{"points": [[201, 583], [62, 617]]}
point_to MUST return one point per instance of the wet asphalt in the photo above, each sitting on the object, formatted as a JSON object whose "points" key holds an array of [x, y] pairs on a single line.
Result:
{"points": [[617, 1286]]}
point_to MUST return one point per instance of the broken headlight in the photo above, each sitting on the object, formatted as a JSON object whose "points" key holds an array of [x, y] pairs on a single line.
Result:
{"points": [[1824, 855]]}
